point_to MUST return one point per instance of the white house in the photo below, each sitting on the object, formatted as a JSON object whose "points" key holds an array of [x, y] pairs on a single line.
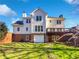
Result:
{"points": [[33, 28]]}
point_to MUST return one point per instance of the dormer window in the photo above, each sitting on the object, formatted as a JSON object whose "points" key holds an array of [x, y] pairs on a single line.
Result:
{"points": [[38, 18]]}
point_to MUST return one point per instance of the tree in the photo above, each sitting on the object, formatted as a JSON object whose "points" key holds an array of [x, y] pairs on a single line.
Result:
{"points": [[3, 30]]}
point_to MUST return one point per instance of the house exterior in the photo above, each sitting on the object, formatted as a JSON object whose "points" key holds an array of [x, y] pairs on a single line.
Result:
{"points": [[38, 27]]}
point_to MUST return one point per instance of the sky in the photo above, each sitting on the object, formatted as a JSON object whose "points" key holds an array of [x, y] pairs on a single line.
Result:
{"points": [[11, 10]]}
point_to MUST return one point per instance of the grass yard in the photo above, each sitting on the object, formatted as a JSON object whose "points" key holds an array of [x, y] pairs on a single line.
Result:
{"points": [[38, 51]]}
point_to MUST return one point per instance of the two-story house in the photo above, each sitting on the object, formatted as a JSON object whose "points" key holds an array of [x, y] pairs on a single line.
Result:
{"points": [[37, 27]]}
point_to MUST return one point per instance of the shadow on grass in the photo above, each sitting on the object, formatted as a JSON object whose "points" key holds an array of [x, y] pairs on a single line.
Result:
{"points": [[24, 52], [4, 54]]}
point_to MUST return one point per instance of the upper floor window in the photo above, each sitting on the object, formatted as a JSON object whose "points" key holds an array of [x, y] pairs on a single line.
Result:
{"points": [[38, 18], [58, 21], [28, 21], [26, 28], [18, 29]]}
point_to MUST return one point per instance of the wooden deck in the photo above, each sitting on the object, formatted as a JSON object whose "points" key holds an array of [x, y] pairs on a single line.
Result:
{"points": [[58, 31]]}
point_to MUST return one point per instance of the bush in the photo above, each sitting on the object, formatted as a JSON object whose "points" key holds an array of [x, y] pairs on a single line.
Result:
{"points": [[3, 30]]}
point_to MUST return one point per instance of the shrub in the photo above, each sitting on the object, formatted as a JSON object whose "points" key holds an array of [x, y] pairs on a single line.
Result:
{"points": [[3, 30]]}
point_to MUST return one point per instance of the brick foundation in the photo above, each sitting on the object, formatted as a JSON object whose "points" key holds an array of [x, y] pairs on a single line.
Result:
{"points": [[21, 38], [48, 37]]}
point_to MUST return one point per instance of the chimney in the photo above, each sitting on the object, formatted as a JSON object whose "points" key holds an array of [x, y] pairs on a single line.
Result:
{"points": [[24, 14]]}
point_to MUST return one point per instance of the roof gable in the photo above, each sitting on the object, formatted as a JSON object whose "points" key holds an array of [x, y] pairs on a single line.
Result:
{"points": [[38, 9]]}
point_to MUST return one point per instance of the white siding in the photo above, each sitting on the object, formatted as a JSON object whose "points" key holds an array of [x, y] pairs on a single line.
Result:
{"points": [[54, 24], [41, 23], [31, 26], [23, 28]]}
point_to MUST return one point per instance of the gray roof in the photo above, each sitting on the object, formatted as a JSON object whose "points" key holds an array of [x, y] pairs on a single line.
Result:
{"points": [[19, 22]]}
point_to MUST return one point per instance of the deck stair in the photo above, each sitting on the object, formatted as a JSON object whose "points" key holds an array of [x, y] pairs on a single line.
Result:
{"points": [[67, 34], [71, 38]]}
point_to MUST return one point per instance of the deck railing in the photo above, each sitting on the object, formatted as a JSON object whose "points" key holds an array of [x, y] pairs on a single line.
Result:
{"points": [[58, 30]]}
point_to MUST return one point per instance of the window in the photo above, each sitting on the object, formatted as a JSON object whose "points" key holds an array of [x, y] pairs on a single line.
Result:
{"points": [[39, 28], [58, 21], [36, 28], [50, 21], [26, 28], [28, 21], [18, 29], [38, 18]]}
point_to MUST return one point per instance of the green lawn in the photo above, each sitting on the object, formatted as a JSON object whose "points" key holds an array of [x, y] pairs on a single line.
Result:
{"points": [[38, 51]]}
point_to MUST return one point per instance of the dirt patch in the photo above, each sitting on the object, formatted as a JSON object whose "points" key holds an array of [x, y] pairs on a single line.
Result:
{"points": [[7, 38]]}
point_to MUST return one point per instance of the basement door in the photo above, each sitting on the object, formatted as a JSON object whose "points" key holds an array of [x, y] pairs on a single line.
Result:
{"points": [[39, 38]]}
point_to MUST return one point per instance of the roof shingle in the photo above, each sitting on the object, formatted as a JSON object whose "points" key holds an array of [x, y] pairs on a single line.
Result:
{"points": [[19, 22]]}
